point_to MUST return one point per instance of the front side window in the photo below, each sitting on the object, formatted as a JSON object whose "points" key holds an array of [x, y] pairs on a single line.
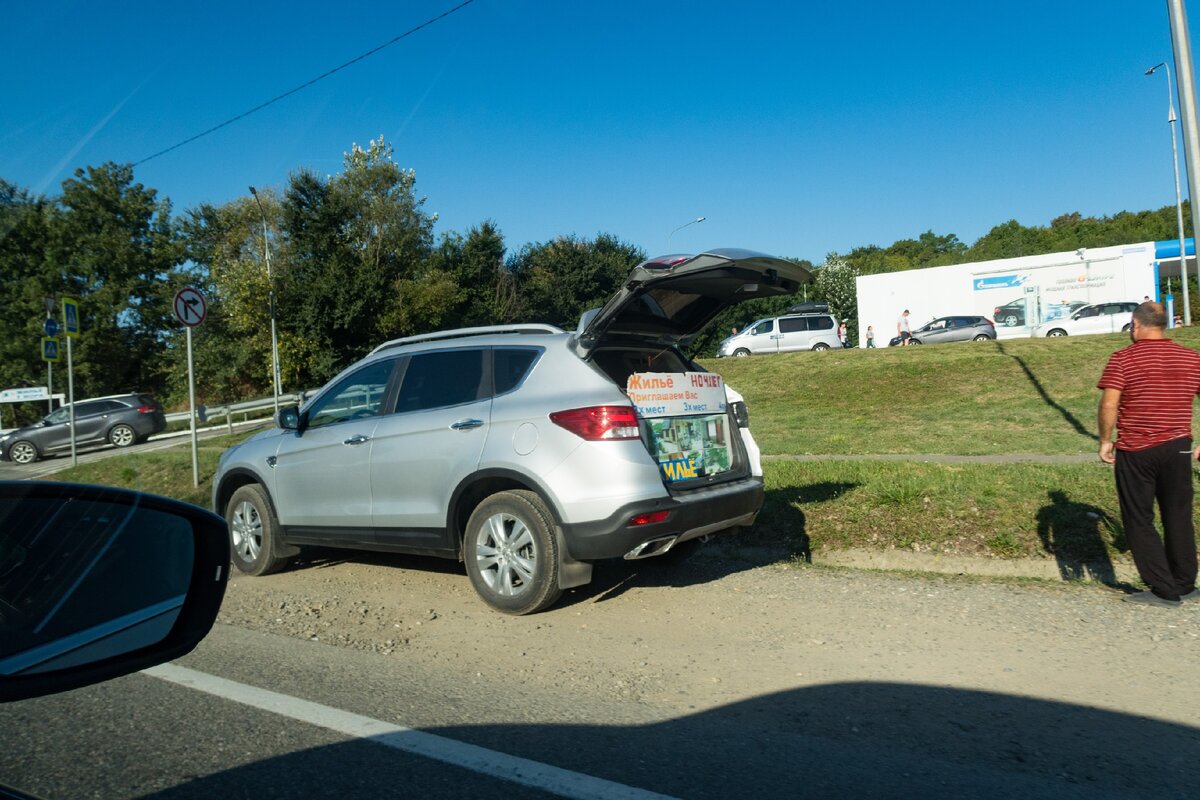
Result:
{"points": [[59, 416], [360, 394], [763, 327], [437, 380], [1087, 311]]}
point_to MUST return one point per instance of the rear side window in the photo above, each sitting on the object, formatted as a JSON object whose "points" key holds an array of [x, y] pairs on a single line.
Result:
{"points": [[820, 323], [510, 367], [793, 324], [436, 380]]}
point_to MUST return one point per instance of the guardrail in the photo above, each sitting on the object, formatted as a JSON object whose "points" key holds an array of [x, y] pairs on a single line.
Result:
{"points": [[227, 411]]}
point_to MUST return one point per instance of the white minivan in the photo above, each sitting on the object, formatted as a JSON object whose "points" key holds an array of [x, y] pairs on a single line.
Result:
{"points": [[781, 334]]}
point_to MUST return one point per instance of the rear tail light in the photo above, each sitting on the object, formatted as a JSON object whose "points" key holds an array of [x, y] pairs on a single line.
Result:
{"points": [[741, 414], [599, 423], [988, 321], [649, 518], [147, 410]]}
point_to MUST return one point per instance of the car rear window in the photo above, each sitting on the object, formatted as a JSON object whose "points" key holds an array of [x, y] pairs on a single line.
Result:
{"points": [[510, 367], [820, 323]]}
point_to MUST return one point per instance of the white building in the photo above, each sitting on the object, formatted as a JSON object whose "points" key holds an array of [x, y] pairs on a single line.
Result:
{"points": [[1016, 293]]}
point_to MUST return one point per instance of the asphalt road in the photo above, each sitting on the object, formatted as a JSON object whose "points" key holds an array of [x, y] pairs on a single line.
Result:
{"points": [[711, 682]]}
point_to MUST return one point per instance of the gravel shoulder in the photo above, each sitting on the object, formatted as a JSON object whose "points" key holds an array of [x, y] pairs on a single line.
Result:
{"points": [[713, 631]]}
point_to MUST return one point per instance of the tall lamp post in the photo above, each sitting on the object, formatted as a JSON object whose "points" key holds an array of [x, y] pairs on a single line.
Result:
{"points": [[1187, 309], [271, 301], [681, 227]]}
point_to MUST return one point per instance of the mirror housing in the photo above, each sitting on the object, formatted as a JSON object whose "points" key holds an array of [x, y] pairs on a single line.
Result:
{"points": [[289, 418], [97, 582]]}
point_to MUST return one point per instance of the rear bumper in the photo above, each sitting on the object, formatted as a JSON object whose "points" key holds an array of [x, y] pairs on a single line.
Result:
{"points": [[693, 514]]}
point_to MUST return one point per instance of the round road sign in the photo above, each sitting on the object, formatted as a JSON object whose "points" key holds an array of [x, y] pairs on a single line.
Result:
{"points": [[190, 307], [50, 327]]}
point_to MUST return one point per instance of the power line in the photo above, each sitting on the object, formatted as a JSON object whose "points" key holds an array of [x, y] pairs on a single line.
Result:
{"points": [[305, 85]]}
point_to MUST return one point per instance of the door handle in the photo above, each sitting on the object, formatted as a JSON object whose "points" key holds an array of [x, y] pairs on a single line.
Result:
{"points": [[466, 424], [359, 439]]}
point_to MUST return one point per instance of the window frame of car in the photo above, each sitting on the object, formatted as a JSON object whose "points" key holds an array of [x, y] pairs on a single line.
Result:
{"points": [[386, 402]]}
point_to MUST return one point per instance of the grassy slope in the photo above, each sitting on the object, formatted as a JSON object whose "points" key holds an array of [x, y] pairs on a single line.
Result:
{"points": [[969, 398], [1020, 396]]}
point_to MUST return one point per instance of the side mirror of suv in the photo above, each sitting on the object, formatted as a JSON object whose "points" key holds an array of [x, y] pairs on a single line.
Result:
{"points": [[289, 418]]}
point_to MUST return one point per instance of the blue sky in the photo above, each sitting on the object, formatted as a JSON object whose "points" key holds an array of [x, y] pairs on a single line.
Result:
{"points": [[795, 128]]}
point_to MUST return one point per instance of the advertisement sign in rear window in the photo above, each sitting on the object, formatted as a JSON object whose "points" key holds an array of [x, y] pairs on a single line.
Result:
{"points": [[685, 413]]}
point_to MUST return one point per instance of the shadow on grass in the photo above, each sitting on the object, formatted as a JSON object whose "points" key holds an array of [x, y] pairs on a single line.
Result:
{"points": [[1074, 533], [1079, 427]]}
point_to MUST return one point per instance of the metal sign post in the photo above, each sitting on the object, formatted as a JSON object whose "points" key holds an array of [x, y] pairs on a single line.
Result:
{"points": [[70, 307], [190, 309]]}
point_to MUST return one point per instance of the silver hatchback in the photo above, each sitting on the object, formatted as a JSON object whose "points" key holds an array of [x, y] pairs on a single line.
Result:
{"points": [[515, 449]]}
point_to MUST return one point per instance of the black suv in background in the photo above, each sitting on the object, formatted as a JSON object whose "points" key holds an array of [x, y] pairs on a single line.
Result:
{"points": [[120, 419]]}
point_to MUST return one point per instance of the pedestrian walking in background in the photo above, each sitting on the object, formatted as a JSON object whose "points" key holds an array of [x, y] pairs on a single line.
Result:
{"points": [[903, 330], [842, 335], [870, 337], [1148, 389]]}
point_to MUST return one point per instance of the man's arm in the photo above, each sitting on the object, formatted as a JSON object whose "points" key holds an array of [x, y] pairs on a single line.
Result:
{"points": [[1107, 419]]}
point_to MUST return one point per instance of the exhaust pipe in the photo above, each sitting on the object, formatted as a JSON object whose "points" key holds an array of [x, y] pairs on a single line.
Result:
{"points": [[654, 547]]}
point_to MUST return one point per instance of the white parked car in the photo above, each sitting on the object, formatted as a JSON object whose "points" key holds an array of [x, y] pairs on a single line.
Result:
{"points": [[1096, 318]]}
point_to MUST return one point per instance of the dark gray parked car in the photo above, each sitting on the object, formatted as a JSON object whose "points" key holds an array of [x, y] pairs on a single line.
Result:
{"points": [[952, 329], [121, 420]]}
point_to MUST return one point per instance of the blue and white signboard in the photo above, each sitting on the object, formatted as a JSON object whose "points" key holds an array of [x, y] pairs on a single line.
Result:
{"points": [[50, 327], [999, 282]]}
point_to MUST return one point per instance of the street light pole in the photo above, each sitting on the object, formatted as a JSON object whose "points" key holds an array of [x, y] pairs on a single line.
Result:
{"points": [[681, 227], [271, 303], [1187, 310]]}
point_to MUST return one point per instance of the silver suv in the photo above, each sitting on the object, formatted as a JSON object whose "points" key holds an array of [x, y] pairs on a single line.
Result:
{"points": [[515, 449]]}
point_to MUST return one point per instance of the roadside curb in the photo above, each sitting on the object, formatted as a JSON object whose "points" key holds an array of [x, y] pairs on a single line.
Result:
{"points": [[943, 564]]}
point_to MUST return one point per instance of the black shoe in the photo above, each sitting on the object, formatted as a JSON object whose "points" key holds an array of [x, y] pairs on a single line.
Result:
{"points": [[1191, 596], [1151, 599]]}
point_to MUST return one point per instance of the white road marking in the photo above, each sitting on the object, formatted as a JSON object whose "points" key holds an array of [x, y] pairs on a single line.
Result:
{"points": [[533, 774]]}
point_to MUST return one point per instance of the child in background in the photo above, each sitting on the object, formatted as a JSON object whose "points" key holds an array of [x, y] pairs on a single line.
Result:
{"points": [[870, 336]]}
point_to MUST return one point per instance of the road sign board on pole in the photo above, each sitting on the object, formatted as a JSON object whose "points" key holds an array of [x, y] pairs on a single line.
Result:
{"points": [[50, 327], [24, 395], [70, 317], [49, 348], [190, 307]]}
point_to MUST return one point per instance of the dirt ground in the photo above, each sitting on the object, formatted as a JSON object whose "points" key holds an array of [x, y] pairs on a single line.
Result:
{"points": [[714, 630]]}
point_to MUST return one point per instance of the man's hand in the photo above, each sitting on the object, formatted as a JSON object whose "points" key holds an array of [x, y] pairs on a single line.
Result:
{"points": [[1108, 452], [1196, 455]]}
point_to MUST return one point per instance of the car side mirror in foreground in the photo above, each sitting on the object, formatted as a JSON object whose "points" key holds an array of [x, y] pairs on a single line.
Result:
{"points": [[289, 418], [97, 582]]}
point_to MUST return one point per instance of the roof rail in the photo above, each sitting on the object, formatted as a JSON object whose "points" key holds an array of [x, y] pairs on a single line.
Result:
{"points": [[535, 327]]}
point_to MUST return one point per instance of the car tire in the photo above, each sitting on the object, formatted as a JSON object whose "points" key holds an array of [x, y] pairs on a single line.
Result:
{"points": [[741, 352], [983, 337], [1126, 328], [1011, 320], [122, 436], [23, 452], [510, 540], [819, 346], [252, 532], [1057, 332], [913, 341]]}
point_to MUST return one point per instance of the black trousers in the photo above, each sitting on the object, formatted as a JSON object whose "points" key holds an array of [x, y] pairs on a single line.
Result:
{"points": [[1162, 473]]}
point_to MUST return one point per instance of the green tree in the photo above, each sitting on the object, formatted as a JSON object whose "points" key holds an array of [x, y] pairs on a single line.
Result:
{"points": [[350, 239], [112, 244], [558, 280]]}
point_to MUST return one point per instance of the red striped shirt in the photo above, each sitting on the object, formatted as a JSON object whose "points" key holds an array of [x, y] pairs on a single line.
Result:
{"points": [[1157, 379]]}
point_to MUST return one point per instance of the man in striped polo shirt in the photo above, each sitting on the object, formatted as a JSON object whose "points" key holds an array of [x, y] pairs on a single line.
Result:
{"points": [[1148, 390]]}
